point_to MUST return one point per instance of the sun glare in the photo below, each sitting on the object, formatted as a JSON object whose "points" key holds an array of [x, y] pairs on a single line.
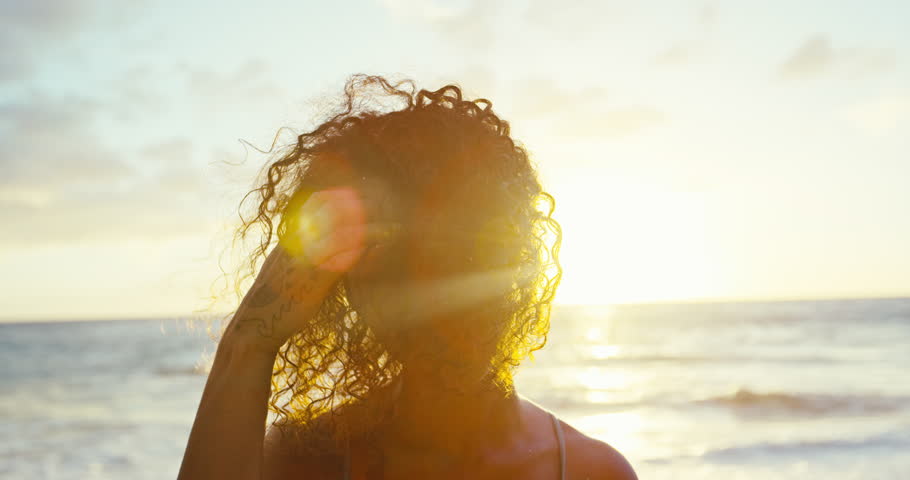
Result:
{"points": [[628, 243]]}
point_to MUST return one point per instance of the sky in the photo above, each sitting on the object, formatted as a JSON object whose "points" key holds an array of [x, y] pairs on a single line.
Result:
{"points": [[696, 149]]}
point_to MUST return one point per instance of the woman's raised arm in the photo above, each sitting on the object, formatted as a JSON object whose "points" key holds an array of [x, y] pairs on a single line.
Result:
{"points": [[226, 440]]}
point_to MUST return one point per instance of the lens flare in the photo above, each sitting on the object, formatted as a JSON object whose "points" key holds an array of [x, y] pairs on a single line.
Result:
{"points": [[293, 222], [326, 229]]}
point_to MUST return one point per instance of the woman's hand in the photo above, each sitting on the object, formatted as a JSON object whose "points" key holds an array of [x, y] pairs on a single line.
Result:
{"points": [[325, 238]]}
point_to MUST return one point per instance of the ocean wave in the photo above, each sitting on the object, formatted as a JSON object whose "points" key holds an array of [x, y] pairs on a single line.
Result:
{"points": [[889, 440], [696, 359], [750, 402], [578, 405], [743, 402], [171, 371]]}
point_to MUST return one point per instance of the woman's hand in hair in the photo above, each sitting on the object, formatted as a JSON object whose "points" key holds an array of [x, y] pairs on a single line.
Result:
{"points": [[324, 238]]}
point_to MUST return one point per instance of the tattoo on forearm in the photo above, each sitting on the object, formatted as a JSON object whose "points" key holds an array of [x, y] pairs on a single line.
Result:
{"points": [[297, 286], [264, 325], [263, 296], [269, 301]]}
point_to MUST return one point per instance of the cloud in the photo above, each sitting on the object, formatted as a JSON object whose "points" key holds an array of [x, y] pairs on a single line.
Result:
{"points": [[43, 16], [584, 112], [418, 9], [678, 54], [477, 79], [817, 56], [48, 148], [12, 66], [24, 25], [471, 26], [174, 168], [707, 15], [868, 61], [249, 84], [61, 183], [249, 79], [145, 212], [541, 96], [685, 51], [611, 123], [30, 29], [575, 16], [813, 57], [136, 94], [475, 26]]}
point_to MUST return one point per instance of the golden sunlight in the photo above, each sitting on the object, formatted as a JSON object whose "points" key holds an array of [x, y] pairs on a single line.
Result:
{"points": [[630, 243]]}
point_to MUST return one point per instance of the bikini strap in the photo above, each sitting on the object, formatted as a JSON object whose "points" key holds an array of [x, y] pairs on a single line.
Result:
{"points": [[562, 446]]}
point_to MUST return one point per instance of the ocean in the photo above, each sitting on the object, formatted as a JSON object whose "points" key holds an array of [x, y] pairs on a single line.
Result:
{"points": [[753, 390]]}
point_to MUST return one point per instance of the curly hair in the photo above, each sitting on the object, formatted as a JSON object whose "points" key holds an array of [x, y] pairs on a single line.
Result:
{"points": [[460, 175]]}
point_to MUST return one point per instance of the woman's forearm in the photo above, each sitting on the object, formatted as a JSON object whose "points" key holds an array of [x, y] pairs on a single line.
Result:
{"points": [[227, 435], [226, 441]]}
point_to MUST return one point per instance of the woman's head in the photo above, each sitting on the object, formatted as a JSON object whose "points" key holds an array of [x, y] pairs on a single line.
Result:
{"points": [[465, 279]]}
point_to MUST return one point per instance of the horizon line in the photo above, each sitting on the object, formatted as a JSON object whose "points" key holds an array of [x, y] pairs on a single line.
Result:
{"points": [[703, 300]]}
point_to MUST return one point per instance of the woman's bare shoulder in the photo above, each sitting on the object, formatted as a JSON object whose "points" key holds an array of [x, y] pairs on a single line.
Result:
{"points": [[592, 459], [586, 458]]}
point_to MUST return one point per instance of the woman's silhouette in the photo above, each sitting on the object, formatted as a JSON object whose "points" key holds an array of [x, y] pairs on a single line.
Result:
{"points": [[414, 268]]}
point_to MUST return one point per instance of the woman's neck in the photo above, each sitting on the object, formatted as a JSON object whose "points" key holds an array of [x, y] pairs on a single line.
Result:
{"points": [[434, 419]]}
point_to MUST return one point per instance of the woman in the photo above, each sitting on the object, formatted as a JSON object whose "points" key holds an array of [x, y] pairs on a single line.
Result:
{"points": [[415, 264]]}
